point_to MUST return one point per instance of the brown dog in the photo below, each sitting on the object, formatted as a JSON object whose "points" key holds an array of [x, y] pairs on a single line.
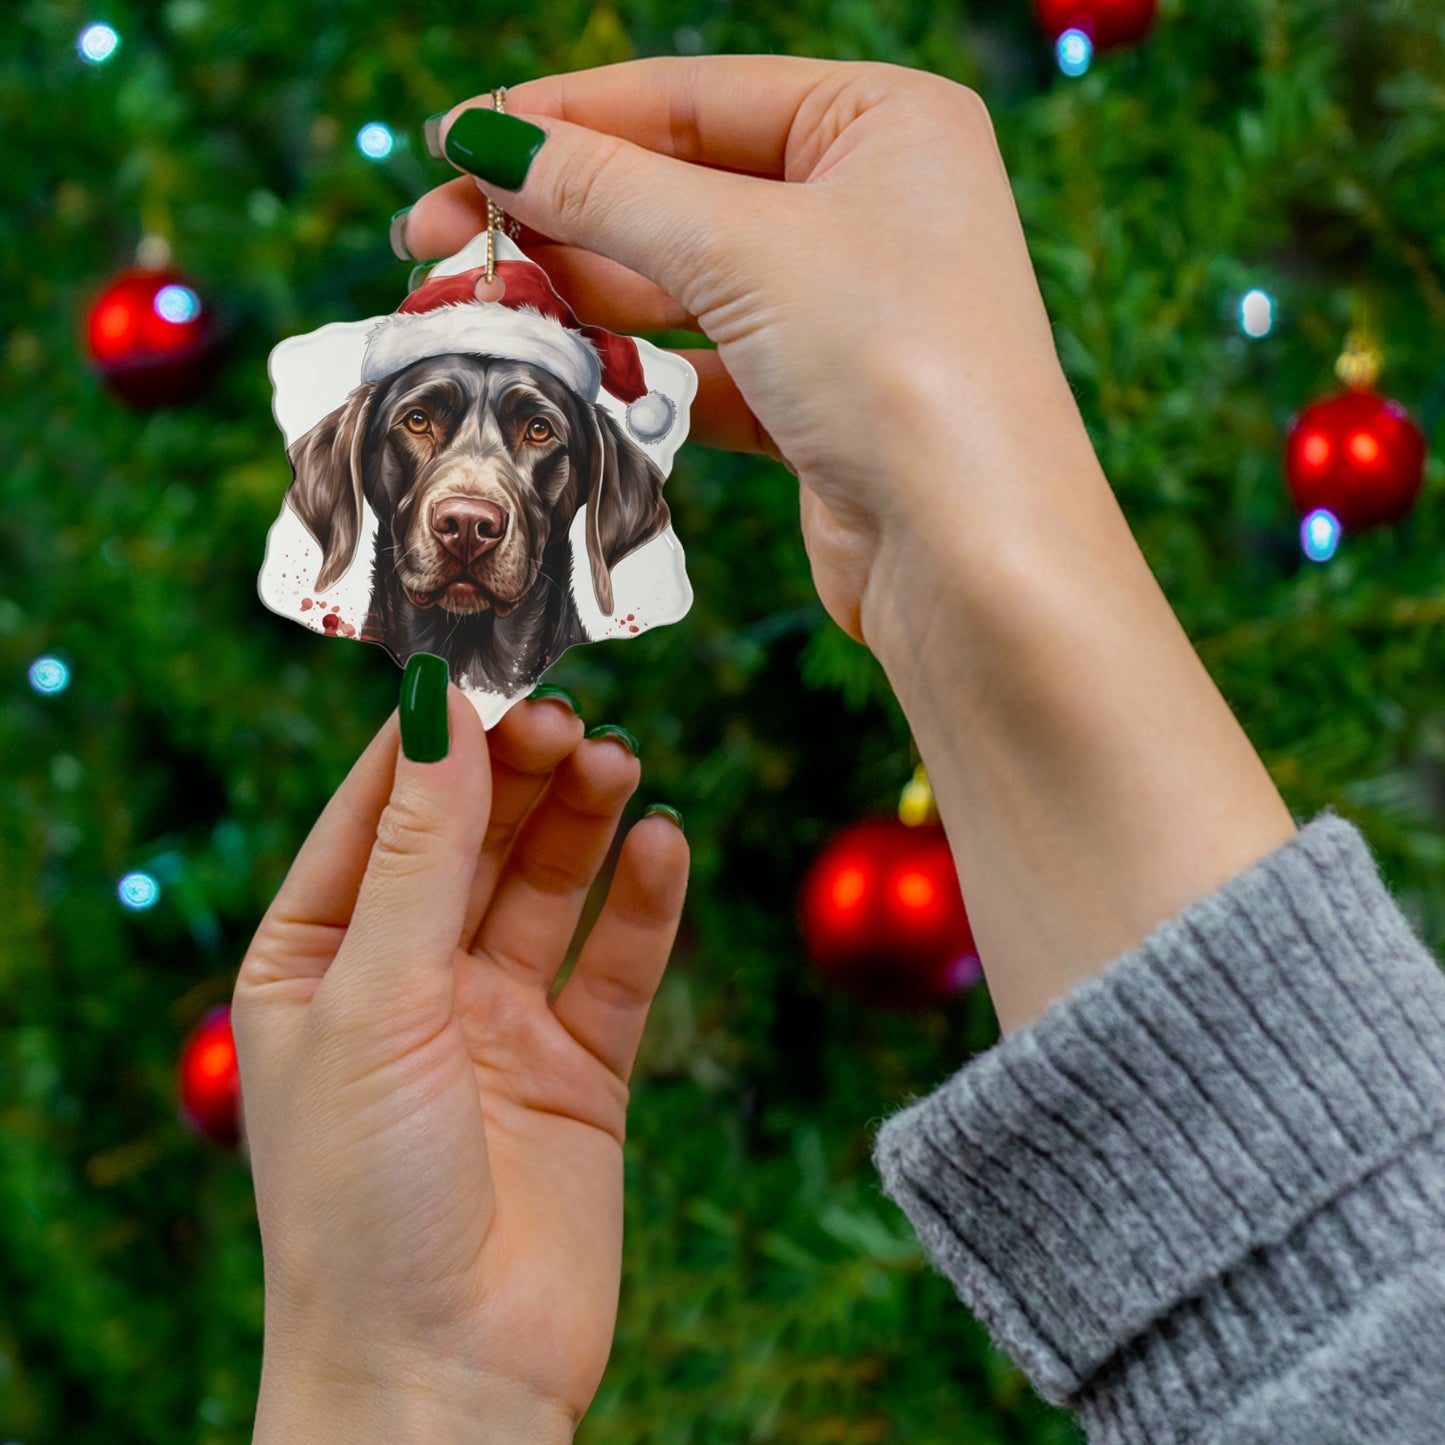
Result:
{"points": [[475, 468]]}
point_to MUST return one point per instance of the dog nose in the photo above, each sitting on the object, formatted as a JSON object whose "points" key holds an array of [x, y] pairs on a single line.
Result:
{"points": [[468, 527]]}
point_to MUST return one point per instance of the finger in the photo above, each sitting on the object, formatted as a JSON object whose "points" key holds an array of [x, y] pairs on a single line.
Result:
{"points": [[605, 1001], [395, 963], [737, 112], [654, 215], [719, 416], [443, 220], [558, 852], [300, 931], [526, 748]]}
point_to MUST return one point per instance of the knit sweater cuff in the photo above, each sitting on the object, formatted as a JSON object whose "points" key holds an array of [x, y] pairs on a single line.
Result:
{"points": [[1093, 1177]]}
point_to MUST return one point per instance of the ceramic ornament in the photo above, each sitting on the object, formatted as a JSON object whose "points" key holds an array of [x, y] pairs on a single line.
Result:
{"points": [[482, 480]]}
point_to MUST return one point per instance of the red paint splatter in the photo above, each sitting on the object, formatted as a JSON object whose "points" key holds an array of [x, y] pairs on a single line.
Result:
{"points": [[336, 607], [331, 622], [348, 629], [632, 629], [306, 604], [631, 616]]}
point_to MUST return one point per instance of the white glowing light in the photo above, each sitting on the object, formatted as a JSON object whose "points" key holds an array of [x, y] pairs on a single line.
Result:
{"points": [[1256, 313], [49, 675], [375, 140], [138, 891], [1074, 51], [177, 304], [1320, 535], [97, 43]]}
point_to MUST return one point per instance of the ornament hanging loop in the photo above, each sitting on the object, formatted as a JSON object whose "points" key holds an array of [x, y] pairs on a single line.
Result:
{"points": [[1360, 362], [497, 218]]}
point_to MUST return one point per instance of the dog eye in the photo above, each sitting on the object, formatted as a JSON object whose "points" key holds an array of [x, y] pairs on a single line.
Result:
{"points": [[416, 422], [539, 429]]}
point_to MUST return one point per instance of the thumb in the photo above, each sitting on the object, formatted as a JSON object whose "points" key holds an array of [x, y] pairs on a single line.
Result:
{"points": [[396, 959], [666, 219]]}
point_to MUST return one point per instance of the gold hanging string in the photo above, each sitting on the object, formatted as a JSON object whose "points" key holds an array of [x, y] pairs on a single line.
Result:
{"points": [[497, 218], [1360, 362]]}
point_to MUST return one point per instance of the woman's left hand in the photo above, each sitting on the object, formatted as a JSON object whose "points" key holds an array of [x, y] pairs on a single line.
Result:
{"points": [[436, 1148]]}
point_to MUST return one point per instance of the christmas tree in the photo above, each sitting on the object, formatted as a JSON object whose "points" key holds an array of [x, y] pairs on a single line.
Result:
{"points": [[1213, 211]]}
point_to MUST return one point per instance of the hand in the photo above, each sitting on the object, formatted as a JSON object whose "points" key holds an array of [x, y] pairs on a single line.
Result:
{"points": [[878, 323], [437, 1150]]}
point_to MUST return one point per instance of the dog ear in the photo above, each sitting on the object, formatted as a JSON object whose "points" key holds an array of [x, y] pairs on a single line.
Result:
{"points": [[327, 489], [624, 502]]}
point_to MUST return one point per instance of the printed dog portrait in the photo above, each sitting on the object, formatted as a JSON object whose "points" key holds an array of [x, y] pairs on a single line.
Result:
{"points": [[475, 467], [468, 473]]}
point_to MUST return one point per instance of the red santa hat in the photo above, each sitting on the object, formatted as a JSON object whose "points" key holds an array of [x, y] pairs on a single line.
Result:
{"points": [[530, 322]]}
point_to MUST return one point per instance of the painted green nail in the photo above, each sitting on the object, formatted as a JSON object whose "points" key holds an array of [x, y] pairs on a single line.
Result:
{"points": [[663, 810], [397, 233], [498, 148], [419, 273], [424, 734], [431, 133], [611, 730], [548, 689]]}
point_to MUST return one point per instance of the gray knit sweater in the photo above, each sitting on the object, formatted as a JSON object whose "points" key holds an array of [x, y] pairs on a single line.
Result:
{"points": [[1202, 1199]]}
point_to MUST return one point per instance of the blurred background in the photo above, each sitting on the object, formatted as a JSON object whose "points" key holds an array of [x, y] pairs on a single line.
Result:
{"points": [[1234, 208]]}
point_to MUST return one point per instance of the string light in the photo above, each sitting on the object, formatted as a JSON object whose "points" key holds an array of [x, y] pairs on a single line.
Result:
{"points": [[1075, 52], [49, 675], [1320, 535], [97, 43], [375, 141], [138, 891], [1256, 313], [177, 304]]}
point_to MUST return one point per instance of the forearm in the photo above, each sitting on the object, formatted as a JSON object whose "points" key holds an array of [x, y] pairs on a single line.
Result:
{"points": [[1092, 779]]}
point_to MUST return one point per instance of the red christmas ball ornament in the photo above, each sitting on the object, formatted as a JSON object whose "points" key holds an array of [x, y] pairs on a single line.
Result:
{"points": [[883, 918], [1359, 456], [152, 338], [210, 1080], [1107, 23]]}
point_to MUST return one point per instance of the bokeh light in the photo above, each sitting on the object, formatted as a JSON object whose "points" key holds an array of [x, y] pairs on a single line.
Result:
{"points": [[97, 43], [49, 675], [1256, 313], [1075, 52], [138, 891], [375, 140], [1320, 535], [177, 304]]}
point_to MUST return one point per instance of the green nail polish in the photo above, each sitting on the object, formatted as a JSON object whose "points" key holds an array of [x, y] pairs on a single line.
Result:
{"points": [[431, 133], [498, 148], [419, 273], [663, 810], [397, 234], [611, 730], [548, 689], [424, 734]]}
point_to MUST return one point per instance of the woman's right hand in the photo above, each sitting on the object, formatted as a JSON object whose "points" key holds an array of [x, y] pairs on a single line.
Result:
{"points": [[878, 324]]}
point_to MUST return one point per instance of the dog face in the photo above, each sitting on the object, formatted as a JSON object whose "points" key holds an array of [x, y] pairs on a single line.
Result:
{"points": [[475, 467]]}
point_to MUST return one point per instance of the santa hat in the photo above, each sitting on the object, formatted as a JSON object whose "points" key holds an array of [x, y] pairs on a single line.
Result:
{"points": [[530, 322]]}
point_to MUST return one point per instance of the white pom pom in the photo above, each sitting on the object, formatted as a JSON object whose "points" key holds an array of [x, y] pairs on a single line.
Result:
{"points": [[650, 417]]}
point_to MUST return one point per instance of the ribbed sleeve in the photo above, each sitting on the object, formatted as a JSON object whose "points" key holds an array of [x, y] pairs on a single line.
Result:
{"points": [[1203, 1197]]}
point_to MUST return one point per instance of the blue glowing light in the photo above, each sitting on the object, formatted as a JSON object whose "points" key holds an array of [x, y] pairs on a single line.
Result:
{"points": [[138, 891], [1320, 535], [49, 675], [1075, 51], [97, 43], [177, 304], [1256, 313], [375, 140]]}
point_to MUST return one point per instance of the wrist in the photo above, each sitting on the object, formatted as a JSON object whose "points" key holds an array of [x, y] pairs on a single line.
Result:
{"points": [[405, 1400]]}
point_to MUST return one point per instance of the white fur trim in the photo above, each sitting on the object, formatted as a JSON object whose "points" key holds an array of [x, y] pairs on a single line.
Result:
{"points": [[484, 328]]}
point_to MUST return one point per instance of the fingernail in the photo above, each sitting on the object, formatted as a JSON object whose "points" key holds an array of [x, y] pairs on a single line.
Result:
{"points": [[611, 730], [398, 235], [548, 689], [662, 810], [424, 734], [419, 273], [431, 133], [498, 148]]}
